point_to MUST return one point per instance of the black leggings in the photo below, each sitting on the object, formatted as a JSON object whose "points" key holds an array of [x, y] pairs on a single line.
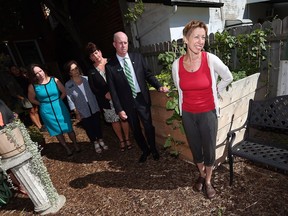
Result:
{"points": [[92, 127], [201, 131]]}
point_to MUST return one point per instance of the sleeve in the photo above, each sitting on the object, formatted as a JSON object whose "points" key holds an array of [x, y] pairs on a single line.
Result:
{"points": [[91, 81], [111, 84], [174, 73], [7, 114], [223, 71], [69, 97]]}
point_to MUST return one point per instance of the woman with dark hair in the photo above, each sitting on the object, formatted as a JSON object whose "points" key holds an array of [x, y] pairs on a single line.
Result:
{"points": [[48, 93], [22, 80], [98, 84], [83, 102]]}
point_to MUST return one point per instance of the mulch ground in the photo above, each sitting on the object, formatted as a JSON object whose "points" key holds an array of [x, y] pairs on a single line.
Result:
{"points": [[113, 183]]}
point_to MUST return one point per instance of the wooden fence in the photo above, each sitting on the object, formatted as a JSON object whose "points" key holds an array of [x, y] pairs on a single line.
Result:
{"points": [[278, 51]]}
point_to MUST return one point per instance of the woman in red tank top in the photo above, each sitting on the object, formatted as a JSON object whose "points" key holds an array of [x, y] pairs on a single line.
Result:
{"points": [[195, 76]]}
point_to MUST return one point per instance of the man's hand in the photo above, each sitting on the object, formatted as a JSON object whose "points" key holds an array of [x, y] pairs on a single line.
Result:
{"points": [[163, 89]]}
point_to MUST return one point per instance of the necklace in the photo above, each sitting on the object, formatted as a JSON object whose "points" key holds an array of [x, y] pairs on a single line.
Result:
{"points": [[192, 65]]}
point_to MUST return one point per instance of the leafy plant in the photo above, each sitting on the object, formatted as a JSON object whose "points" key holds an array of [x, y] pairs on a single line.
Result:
{"points": [[36, 135], [237, 75], [251, 50], [222, 46], [134, 13], [244, 52], [167, 59], [37, 165]]}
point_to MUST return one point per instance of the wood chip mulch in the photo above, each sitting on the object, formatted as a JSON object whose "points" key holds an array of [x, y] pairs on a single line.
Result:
{"points": [[113, 183]]}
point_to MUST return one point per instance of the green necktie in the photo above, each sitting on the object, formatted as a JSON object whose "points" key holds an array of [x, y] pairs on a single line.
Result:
{"points": [[129, 78]]}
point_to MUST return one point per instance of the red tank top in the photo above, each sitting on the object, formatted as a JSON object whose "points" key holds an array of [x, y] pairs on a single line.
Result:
{"points": [[196, 87]]}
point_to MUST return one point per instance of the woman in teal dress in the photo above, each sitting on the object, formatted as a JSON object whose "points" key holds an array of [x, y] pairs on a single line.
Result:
{"points": [[48, 92]]}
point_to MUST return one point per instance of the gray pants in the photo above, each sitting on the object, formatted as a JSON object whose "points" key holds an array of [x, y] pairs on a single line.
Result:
{"points": [[201, 131]]}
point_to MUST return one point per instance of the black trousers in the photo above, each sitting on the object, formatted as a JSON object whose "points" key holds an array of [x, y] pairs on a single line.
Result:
{"points": [[92, 127], [141, 112]]}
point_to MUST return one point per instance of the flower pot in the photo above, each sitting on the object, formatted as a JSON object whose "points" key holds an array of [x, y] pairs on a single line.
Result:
{"points": [[13, 145]]}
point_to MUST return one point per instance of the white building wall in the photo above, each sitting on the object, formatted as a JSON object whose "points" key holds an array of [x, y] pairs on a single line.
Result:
{"points": [[161, 23], [233, 9], [216, 22], [153, 26], [183, 16]]}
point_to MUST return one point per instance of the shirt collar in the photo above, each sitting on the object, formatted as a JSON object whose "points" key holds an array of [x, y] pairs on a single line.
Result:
{"points": [[121, 58]]}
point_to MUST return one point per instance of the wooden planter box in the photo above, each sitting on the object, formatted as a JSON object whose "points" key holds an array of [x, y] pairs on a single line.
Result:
{"points": [[233, 113]]}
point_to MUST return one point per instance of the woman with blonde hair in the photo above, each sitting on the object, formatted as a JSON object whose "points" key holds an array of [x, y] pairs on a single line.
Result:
{"points": [[195, 76]]}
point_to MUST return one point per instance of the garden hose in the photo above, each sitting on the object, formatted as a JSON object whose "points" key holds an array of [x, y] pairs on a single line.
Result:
{"points": [[5, 192]]}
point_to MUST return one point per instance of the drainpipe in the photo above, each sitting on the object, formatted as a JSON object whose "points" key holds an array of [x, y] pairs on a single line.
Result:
{"points": [[157, 23], [222, 15]]}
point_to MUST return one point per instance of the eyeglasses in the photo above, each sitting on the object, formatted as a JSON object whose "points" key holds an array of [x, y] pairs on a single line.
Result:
{"points": [[74, 69]]}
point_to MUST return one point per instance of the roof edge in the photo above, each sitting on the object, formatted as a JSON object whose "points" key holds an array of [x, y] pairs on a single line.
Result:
{"points": [[184, 3]]}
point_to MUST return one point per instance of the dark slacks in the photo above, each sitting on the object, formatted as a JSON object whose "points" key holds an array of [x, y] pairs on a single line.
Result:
{"points": [[141, 112], [92, 127]]}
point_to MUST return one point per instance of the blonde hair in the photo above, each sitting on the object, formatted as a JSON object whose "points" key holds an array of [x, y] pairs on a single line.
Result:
{"points": [[193, 24]]}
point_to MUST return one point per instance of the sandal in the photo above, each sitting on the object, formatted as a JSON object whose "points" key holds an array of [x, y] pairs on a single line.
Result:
{"points": [[103, 145], [97, 147], [128, 143], [199, 184], [122, 146], [209, 191]]}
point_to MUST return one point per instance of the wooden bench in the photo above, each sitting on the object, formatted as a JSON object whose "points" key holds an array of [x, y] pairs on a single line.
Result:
{"points": [[264, 117]]}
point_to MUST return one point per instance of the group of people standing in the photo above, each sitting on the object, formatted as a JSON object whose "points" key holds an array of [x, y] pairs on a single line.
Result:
{"points": [[107, 89], [118, 87]]}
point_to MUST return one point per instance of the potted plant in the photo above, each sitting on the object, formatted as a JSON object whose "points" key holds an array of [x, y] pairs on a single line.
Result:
{"points": [[18, 137]]}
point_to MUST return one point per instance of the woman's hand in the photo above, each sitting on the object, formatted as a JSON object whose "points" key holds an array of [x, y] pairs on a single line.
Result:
{"points": [[1, 120], [123, 115], [77, 115]]}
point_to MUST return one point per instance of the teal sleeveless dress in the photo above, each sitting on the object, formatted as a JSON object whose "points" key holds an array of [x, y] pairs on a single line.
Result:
{"points": [[52, 109]]}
